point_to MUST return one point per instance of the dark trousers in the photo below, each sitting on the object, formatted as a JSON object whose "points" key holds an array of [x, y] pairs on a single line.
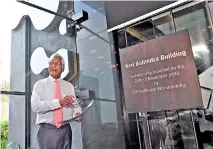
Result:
{"points": [[50, 137]]}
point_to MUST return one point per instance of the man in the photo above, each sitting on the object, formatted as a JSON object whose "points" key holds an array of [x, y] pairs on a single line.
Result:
{"points": [[54, 101]]}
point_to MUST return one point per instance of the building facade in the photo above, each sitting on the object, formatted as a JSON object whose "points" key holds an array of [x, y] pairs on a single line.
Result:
{"points": [[91, 49]]}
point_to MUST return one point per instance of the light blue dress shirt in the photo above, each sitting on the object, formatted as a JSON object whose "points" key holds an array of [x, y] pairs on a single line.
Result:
{"points": [[43, 102]]}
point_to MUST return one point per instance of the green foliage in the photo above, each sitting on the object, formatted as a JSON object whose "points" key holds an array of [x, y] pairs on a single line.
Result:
{"points": [[4, 134], [4, 85], [4, 130], [3, 144]]}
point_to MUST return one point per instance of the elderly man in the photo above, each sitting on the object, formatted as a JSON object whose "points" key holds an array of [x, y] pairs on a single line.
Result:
{"points": [[54, 101]]}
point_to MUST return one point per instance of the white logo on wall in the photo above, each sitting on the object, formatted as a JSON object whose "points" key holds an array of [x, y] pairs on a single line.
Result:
{"points": [[39, 60], [40, 19]]}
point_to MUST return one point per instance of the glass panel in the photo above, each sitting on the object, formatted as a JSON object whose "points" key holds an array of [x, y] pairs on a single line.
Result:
{"points": [[175, 129], [104, 136], [187, 129], [196, 20], [96, 67], [140, 32], [205, 117], [96, 12], [12, 116], [163, 24], [206, 96], [96, 73], [157, 126], [204, 128], [172, 129]]}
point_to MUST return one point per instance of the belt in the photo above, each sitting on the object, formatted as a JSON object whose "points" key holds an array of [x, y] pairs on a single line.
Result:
{"points": [[53, 126]]}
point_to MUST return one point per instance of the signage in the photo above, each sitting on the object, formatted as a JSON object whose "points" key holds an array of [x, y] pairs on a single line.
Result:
{"points": [[160, 74]]}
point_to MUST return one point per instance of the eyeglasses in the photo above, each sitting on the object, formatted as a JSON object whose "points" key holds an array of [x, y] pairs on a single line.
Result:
{"points": [[55, 64]]}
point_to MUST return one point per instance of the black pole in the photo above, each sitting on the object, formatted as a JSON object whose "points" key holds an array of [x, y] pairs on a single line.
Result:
{"points": [[210, 97], [14, 93], [27, 83]]}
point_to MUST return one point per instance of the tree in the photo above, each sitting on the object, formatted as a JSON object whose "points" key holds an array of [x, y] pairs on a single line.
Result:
{"points": [[4, 134], [4, 85]]}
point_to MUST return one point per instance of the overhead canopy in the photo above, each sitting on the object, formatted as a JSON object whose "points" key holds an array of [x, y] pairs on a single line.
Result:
{"points": [[118, 12]]}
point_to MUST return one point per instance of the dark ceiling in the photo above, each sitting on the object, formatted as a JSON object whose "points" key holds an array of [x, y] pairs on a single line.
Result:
{"points": [[118, 12]]}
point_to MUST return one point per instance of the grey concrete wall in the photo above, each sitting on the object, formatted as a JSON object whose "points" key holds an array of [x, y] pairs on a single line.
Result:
{"points": [[17, 83]]}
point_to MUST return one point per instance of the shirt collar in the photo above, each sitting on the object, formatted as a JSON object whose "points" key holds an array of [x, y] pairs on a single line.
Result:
{"points": [[52, 79]]}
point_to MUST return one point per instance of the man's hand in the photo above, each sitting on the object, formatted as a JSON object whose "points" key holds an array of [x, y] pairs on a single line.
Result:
{"points": [[67, 100], [79, 118]]}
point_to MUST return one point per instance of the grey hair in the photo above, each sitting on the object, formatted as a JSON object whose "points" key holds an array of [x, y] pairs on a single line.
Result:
{"points": [[58, 55]]}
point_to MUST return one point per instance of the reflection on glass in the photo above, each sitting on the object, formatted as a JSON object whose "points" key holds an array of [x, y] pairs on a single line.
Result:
{"points": [[205, 127], [104, 136], [140, 32], [206, 94], [172, 130], [97, 19], [180, 129], [163, 24], [194, 19], [187, 129], [96, 73], [96, 65], [157, 124]]}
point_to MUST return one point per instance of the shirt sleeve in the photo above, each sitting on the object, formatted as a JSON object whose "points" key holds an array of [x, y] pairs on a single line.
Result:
{"points": [[40, 105], [76, 107]]}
